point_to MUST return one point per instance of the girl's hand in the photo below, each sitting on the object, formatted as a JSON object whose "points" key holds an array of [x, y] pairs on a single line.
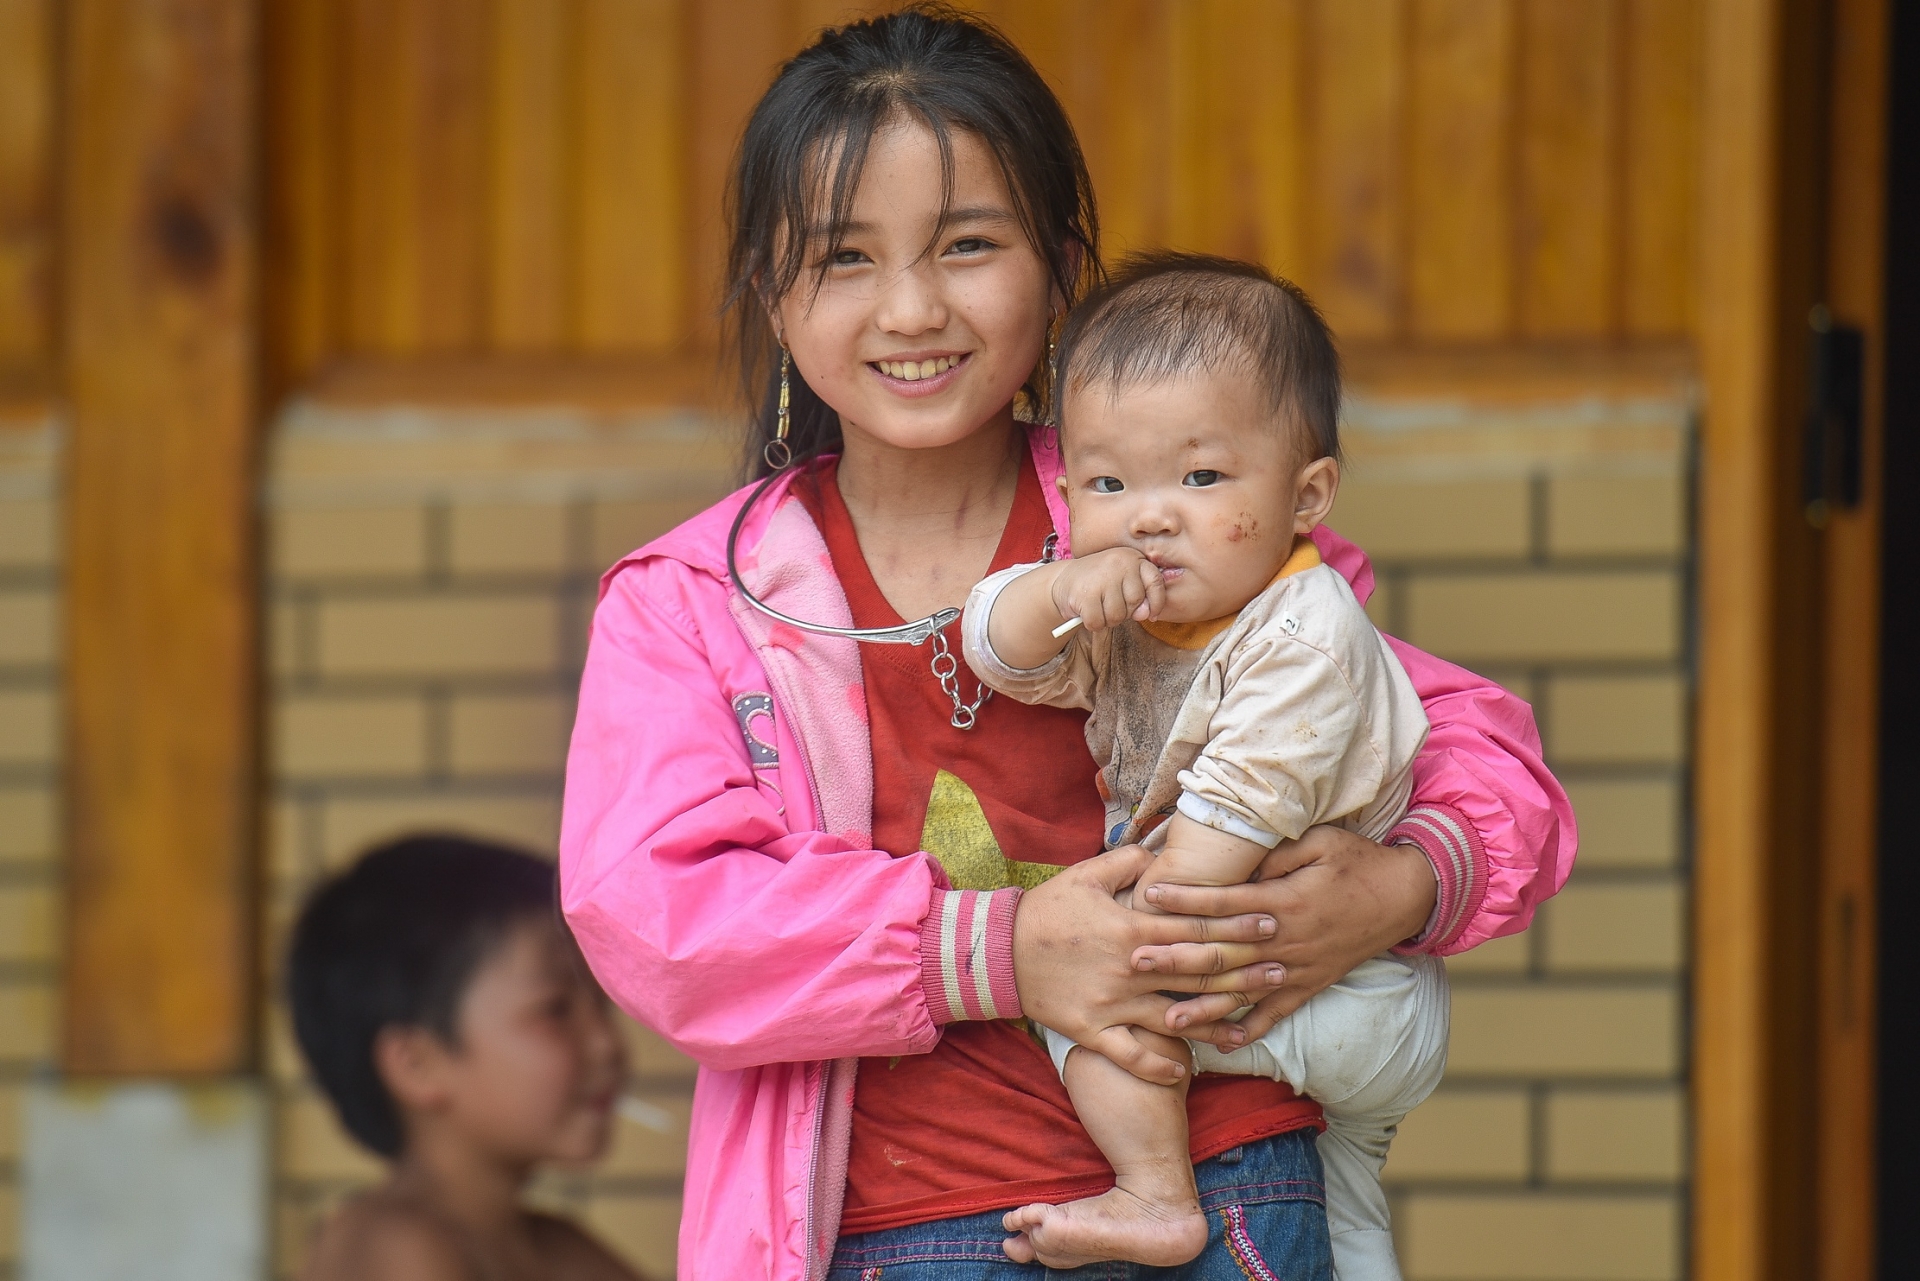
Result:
{"points": [[1108, 588], [1339, 899], [1073, 950]]}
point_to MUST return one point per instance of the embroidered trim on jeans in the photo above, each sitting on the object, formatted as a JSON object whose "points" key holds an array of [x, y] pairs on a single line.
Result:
{"points": [[1241, 1246], [870, 1274]]}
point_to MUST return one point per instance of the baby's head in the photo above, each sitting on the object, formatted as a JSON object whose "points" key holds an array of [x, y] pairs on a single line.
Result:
{"points": [[433, 987], [1199, 413]]}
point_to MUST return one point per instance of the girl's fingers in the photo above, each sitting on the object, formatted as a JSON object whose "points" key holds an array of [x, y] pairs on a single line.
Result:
{"points": [[1216, 900], [1120, 1046], [1261, 1018], [1205, 1017], [1259, 978], [1196, 958]]}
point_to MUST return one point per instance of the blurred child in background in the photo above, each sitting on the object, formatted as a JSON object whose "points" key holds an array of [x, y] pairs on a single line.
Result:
{"points": [[446, 1014]]}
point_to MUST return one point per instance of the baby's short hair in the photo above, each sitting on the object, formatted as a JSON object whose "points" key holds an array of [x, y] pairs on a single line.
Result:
{"points": [[1165, 314], [394, 940]]}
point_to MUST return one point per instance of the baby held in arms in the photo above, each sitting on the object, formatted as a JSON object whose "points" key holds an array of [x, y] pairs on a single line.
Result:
{"points": [[1238, 695]]}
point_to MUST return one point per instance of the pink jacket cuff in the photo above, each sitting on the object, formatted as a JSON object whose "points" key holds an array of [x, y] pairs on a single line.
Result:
{"points": [[1459, 861], [966, 955]]}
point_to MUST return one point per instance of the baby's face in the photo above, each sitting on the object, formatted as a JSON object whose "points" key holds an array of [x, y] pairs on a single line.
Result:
{"points": [[1195, 475]]}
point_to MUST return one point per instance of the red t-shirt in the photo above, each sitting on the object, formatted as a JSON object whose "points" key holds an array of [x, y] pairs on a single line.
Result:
{"points": [[982, 1121]]}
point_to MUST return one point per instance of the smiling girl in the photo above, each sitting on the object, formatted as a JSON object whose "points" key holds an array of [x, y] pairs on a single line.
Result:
{"points": [[837, 873]]}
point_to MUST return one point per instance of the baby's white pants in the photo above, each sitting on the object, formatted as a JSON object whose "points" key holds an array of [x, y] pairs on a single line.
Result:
{"points": [[1368, 1049]]}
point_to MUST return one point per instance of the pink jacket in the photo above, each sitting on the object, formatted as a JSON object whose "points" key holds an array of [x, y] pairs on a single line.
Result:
{"points": [[715, 863]]}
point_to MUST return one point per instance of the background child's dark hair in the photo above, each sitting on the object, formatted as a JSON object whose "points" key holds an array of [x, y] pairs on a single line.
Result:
{"points": [[950, 71], [395, 939], [1164, 314]]}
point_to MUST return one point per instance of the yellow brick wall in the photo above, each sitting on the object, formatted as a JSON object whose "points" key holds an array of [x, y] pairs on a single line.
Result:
{"points": [[431, 578], [430, 582], [29, 764], [1547, 547]]}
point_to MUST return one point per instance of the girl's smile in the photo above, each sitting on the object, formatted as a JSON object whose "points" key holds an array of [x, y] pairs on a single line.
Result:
{"points": [[915, 374]]}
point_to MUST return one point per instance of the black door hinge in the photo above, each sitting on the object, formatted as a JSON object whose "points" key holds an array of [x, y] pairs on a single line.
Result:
{"points": [[1834, 427]]}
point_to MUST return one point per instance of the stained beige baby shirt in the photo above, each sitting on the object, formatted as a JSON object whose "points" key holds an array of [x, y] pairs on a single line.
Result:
{"points": [[1290, 713]]}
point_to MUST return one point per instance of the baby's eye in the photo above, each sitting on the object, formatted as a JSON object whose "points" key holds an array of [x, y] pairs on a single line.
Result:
{"points": [[1107, 485], [1201, 479]]}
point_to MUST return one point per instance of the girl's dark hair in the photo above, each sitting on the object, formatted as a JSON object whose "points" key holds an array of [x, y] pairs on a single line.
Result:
{"points": [[949, 70], [394, 940]]}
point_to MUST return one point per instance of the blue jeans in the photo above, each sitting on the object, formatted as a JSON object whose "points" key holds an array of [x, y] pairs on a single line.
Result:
{"points": [[1266, 1221]]}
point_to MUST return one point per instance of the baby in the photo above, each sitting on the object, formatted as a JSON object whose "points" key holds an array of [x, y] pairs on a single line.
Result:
{"points": [[1239, 695]]}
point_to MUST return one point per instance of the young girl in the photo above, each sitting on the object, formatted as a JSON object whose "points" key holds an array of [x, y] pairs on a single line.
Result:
{"points": [[833, 871]]}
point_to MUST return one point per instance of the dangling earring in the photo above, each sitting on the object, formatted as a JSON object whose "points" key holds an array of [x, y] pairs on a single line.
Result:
{"points": [[778, 454], [1053, 376]]}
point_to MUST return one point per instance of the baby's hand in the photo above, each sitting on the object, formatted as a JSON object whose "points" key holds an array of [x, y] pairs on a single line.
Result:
{"points": [[1109, 587]]}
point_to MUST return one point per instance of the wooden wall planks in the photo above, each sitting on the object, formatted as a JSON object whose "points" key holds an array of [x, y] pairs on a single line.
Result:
{"points": [[542, 178], [522, 178], [26, 186], [161, 594]]}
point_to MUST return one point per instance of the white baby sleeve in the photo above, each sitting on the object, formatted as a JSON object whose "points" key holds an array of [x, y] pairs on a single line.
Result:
{"points": [[1066, 680]]}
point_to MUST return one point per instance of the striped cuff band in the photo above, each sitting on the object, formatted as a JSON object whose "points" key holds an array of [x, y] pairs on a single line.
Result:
{"points": [[1459, 862], [966, 955]]}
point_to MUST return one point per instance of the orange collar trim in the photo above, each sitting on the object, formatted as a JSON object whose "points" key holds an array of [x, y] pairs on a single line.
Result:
{"points": [[1199, 635]]}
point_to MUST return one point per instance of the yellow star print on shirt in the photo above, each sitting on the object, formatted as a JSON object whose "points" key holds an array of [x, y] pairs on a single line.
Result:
{"points": [[957, 833]]}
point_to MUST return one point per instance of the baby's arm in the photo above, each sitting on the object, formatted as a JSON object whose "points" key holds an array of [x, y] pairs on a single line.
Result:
{"points": [[1196, 854], [1102, 590]]}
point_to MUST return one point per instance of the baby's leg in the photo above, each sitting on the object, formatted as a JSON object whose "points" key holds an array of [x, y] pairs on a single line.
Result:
{"points": [[1152, 1215], [1369, 1048]]}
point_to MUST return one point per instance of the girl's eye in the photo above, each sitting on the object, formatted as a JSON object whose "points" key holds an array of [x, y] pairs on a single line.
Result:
{"points": [[848, 258], [1201, 479], [970, 245], [1107, 485]]}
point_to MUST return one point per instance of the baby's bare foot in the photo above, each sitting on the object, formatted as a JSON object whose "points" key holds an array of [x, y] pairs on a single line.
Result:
{"points": [[1115, 1225]]}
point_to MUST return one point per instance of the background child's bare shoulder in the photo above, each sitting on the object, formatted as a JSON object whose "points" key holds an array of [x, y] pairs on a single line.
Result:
{"points": [[573, 1255], [381, 1236]]}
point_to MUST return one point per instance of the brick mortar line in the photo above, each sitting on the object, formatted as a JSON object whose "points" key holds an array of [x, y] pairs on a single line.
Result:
{"points": [[1591, 565], [1612, 877], [425, 586], [1483, 1083], [1635, 980], [478, 787], [1556, 1189], [322, 686]]}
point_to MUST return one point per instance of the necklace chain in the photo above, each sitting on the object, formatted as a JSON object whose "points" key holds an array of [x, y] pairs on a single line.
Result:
{"points": [[946, 669]]}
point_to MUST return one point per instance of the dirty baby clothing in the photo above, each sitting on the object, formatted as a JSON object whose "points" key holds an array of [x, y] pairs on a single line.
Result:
{"points": [[1291, 713]]}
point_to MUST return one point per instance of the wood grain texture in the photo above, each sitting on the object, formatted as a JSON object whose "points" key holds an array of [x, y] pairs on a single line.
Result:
{"points": [[301, 233], [1660, 141], [26, 182], [1461, 129], [1433, 170], [1735, 686], [736, 47], [631, 274], [1568, 227], [159, 155], [1850, 688], [530, 188], [1755, 730], [1356, 87]]}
